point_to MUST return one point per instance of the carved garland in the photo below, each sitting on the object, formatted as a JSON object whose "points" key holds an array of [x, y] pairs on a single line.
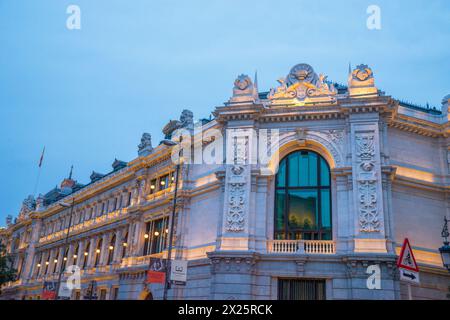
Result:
{"points": [[235, 215], [367, 183]]}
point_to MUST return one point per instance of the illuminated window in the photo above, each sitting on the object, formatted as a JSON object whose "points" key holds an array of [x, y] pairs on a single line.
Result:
{"points": [[163, 182], [111, 249], [86, 255], [98, 252], [75, 254], [55, 262], [153, 186], [303, 197], [157, 236], [124, 245], [64, 262]]}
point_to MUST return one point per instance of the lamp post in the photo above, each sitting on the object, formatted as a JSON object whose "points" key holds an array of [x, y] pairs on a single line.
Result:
{"points": [[172, 218], [445, 249], [65, 205]]}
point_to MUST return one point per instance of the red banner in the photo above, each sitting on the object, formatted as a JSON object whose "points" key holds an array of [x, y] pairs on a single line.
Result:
{"points": [[156, 276], [49, 290]]}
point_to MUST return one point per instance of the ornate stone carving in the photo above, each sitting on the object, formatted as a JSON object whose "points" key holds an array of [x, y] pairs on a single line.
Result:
{"points": [[235, 216], [236, 178], [367, 183], [361, 81], [244, 90], [302, 84], [28, 205], [186, 121], [145, 147], [337, 136], [332, 140]]}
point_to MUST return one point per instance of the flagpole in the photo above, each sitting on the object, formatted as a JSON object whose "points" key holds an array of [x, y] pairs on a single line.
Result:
{"points": [[36, 185]]}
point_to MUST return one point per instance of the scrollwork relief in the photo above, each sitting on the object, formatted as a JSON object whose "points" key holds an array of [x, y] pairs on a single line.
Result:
{"points": [[367, 183]]}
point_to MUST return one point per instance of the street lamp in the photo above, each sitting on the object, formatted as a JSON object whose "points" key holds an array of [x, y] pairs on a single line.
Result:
{"points": [[64, 205], [445, 249], [171, 143]]}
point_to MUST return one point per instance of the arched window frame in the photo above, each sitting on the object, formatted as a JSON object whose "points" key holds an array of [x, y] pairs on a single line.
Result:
{"points": [[285, 234]]}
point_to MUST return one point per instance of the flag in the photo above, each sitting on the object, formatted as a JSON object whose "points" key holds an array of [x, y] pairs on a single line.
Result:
{"points": [[42, 157]]}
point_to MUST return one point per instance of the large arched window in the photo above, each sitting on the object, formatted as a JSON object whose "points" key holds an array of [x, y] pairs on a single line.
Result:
{"points": [[303, 197]]}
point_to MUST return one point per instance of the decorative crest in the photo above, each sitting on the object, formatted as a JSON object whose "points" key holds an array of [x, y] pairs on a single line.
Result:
{"points": [[302, 85]]}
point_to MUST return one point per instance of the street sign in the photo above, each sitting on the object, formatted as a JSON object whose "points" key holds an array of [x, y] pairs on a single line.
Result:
{"points": [[178, 271], [406, 259], [407, 265], [64, 291], [409, 276]]}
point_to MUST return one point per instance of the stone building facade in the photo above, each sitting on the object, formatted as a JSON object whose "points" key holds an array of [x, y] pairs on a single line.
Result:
{"points": [[348, 173]]}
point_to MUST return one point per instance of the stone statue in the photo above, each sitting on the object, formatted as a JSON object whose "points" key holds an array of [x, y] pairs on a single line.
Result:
{"points": [[186, 121], [302, 84], [145, 147], [40, 202], [244, 90], [28, 205], [361, 82], [9, 220]]}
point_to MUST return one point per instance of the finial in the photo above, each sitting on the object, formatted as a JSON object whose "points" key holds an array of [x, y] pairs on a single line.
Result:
{"points": [[349, 67], [71, 170]]}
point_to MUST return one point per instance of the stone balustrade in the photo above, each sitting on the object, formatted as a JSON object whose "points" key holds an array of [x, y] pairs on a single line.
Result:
{"points": [[301, 246], [85, 225]]}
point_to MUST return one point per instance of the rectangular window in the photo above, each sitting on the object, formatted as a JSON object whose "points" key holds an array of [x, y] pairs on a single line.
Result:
{"points": [[301, 289], [156, 236], [163, 182], [303, 209], [153, 186], [129, 199]]}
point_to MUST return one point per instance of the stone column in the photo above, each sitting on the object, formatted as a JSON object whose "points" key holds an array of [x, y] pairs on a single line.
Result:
{"points": [[92, 248], [60, 255], [104, 249], [367, 182], [235, 225]]}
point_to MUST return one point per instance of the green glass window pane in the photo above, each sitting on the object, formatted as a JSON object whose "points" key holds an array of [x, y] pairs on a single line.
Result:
{"points": [[325, 208], [308, 169], [302, 169], [293, 174], [324, 173], [303, 209], [281, 175], [326, 235], [280, 205]]}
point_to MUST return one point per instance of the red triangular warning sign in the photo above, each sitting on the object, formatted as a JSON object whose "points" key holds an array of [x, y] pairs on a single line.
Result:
{"points": [[406, 259]]}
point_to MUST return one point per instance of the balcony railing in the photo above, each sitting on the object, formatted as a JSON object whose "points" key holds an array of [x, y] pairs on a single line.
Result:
{"points": [[301, 246], [140, 260]]}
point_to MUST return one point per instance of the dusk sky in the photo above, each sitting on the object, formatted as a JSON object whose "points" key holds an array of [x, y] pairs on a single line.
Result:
{"points": [[88, 95]]}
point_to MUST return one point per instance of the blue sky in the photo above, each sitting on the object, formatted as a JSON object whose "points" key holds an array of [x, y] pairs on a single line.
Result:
{"points": [[88, 94]]}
